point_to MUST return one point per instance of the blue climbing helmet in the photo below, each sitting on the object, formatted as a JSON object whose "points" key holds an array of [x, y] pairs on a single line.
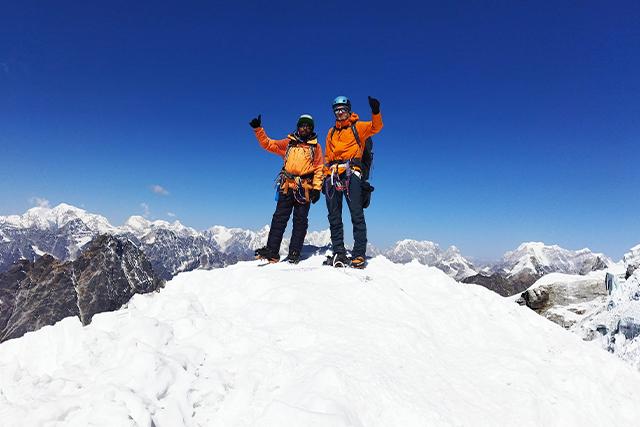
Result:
{"points": [[341, 100]]}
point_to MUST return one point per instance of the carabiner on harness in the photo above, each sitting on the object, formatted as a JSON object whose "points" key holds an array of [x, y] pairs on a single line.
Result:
{"points": [[338, 183]]}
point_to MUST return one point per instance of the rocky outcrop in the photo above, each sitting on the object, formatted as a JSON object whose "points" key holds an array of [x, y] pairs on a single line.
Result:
{"points": [[632, 261], [599, 307], [565, 299], [103, 278]]}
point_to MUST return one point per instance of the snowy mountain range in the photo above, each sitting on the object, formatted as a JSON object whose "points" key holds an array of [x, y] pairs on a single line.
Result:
{"points": [[536, 258], [429, 253], [63, 231], [520, 268]]}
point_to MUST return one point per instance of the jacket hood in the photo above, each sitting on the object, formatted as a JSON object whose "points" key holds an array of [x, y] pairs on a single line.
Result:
{"points": [[348, 122]]}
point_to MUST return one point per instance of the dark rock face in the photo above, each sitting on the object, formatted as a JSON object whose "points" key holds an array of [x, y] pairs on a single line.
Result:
{"points": [[105, 276], [503, 285], [108, 274], [9, 285], [44, 295]]}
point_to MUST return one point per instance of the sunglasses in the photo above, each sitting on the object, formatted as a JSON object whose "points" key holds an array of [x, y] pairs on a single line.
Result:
{"points": [[341, 110]]}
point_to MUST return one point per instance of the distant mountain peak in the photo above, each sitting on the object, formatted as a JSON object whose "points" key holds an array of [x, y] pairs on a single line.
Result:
{"points": [[140, 226], [57, 217], [539, 258], [429, 253]]}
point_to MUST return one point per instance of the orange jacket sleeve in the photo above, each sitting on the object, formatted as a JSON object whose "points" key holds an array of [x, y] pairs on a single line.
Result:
{"points": [[368, 129], [277, 146], [318, 168]]}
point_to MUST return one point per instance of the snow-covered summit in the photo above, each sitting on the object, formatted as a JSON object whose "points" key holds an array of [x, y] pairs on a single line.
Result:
{"points": [[308, 345], [429, 253], [140, 226], [318, 238], [237, 240], [57, 217], [536, 258]]}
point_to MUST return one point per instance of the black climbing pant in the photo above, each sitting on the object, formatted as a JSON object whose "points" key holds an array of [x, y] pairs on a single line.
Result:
{"points": [[334, 207], [286, 204]]}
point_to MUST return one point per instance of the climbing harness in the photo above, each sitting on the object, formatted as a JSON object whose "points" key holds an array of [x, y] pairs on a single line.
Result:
{"points": [[300, 186]]}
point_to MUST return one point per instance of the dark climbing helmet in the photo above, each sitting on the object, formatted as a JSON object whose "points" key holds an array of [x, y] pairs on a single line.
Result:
{"points": [[341, 100]]}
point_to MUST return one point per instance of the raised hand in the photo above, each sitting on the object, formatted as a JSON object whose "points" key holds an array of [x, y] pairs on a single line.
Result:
{"points": [[257, 122], [375, 105]]}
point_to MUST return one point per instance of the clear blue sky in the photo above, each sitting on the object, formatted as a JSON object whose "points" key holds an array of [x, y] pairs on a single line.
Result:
{"points": [[504, 121]]}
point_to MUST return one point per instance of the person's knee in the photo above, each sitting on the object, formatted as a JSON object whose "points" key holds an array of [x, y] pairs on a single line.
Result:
{"points": [[357, 217], [334, 217], [300, 222], [280, 219]]}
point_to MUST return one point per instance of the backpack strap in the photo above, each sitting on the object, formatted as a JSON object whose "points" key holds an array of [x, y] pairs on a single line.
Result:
{"points": [[355, 133]]}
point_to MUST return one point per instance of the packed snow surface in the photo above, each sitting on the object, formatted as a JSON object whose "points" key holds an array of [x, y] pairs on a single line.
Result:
{"points": [[306, 345]]}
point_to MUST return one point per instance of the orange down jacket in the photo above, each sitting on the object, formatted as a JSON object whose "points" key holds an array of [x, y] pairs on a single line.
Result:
{"points": [[342, 145], [299, 161]]}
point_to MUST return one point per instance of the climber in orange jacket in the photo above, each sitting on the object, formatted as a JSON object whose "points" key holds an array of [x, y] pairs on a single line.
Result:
{"points": [[345, 145], [299, 184]]}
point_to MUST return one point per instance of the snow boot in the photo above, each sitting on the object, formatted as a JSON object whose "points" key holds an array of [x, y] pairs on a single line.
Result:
{"points": [[293, 257], [359, 262], [337, 260], [267, 254]]}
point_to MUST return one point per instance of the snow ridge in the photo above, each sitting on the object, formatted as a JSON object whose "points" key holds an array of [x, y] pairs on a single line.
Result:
{"points": [[306, 345]]}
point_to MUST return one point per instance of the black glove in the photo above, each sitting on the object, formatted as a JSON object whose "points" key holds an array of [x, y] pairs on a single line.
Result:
{"points": [[375, 105], [257, 122], [315, 196]]}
